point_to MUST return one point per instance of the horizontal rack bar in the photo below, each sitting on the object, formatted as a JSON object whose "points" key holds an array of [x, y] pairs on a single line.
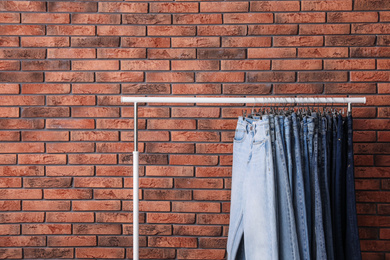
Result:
{"points": [[250, 100]]}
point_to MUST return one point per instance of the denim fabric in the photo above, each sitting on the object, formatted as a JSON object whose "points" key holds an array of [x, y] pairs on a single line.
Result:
{"points": [[339, 195], [253, 209], [287, 140], [325, 195], [299, 193], [318, 238], [352, 243], [288, 240], [306, 174], [333, 178]]}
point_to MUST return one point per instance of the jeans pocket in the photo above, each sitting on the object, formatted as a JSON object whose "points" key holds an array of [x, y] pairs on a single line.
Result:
{"points": [[239, 135]]}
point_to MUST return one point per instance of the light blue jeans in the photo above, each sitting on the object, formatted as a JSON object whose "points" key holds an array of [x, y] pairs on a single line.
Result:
{"points": [[299, 192], [288, 239], [253, 199]]}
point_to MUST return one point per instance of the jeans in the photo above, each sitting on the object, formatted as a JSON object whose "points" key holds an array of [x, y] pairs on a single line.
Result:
{"points": [[339, 200], [325, 195], [288, 240], [253, 209], [299, 192], [352, 243], [306, 174], [287, 136], [318, 238]]}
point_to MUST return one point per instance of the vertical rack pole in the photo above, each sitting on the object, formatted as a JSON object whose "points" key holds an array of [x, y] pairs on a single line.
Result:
{"points": [[135, 187], [349, 107]]}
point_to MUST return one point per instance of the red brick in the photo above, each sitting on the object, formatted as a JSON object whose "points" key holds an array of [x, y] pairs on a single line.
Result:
{"points": [[31, 205], [211, 7], [95, 112], [370, 75], [21, 170], [370, 52], [46, 88], [21, 194], [274, 6], [95, 65], [117, 241], [42, 159], [9, 112], [118, 124], [170, 77], [48, 252], [71, 100], [112, 194], [9, 41], [78, 53], [123, 7], [169, 171], [323, 52], [196, 89], [166, 30], [121, 53], [320, 29], [113, 148], [20, 6], [9, 88], [172, 242], [167, 194], [146, 18], [21, 76], [10, 18], [115, 218], [222, 30], [264, 53], [173, 7], [70, 147], [46, 65], [221, 54], [193, 160], [68, 217], [270, 76], [382, 160], [72, 194], [195, 206], [371, 5], [144, 65], [100, 253], [72, 7], [22, 217], [21, 124], [211, 194], [157, 253], [169, 148], [200, 253], [300, 18], [96, 88], [367, 184], [206, 242], [45, 112], [384, 136], [297, 64], [370, 28], [96, 18], [22, 30], [322, 5], [216, 124], [124, 30], [92, 158], [45, 41], [71, 241], [166, 183], [220, 77], [383, 88], [45, 18], [70, 123], [46, 229], [273, 29], [368, 233], [352, 17], [171, 53], [9, 65], [10, 136], [246, 41], [21, 147], [146, 42], [245, 65], [70, 30], [384, 112], [384, 16], [11, 182], [197, 230], [197, 19], [350, 88], [371, 245], [349, 64], [10, 230], [176, 218], [22, 241], [200, 42], [22, 54], [69, 76], [245, 18], [322, 76], [115, 170]]}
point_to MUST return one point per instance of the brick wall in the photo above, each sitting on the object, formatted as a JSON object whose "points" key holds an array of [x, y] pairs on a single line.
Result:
{"points": [[66, 140]]}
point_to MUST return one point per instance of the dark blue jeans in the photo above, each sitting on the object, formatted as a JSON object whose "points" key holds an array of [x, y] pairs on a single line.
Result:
{"points": [[352, 243], [339, 193]]}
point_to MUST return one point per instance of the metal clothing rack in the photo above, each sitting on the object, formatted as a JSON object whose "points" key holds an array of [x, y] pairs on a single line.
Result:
{"points": [[211, 100]]}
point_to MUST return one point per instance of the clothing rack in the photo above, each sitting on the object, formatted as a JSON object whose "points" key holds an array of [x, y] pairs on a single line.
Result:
{"points": [[211, 100]]}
